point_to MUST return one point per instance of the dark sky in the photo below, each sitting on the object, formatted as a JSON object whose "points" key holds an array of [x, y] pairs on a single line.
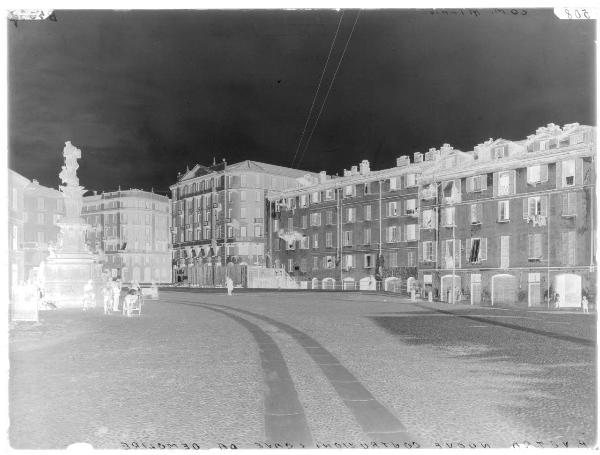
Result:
{"points": [[145, 93]]}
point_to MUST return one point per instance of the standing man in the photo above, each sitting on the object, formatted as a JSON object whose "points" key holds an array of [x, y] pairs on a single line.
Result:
{"points": [[229, 284]]}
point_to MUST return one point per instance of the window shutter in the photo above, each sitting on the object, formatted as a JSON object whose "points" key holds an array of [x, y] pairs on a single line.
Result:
{"points": [[530, 245], [457, 252], [400, 212], [468, 250], [544, 172], [483, 249], [525, 208], [495, 189], [545, 205], [572, 248], [417, 232], [558, 174], [434, 251], [513, 179], [483, 181], [578, 171], [572, 201], [565, 203], [420, 253], [470, 184]]}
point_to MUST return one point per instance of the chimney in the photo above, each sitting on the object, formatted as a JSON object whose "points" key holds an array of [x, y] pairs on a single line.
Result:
{"points": [[354, 170], [322, 176], [95, 193], [364, 167], [402, 161], [347, 173], [418, 157]]}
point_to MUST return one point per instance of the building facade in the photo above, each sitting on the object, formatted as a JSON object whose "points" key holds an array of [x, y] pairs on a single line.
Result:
{"points": [[130, 231], [16, 203], [507, 223], [43, 207], [218, 215]]}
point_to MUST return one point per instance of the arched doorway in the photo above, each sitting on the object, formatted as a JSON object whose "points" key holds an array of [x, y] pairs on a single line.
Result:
{"points": [[368, 283], [504, 290], [392, 284], [348, 284], [568, 287], [447, 289], [314, 283], [328, 283]]}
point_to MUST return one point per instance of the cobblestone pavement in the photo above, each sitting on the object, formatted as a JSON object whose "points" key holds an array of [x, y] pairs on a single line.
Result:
{"points": [[313, 369]]}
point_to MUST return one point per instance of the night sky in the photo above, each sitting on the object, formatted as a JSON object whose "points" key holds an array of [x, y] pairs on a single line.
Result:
{"points": [[145, 93]]}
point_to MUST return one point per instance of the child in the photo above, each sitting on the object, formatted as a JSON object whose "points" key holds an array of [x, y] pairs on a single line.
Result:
{"points": [[584, 304]]}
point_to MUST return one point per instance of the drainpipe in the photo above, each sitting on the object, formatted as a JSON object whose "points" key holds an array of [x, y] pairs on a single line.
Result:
{"points": [[380, 227]]}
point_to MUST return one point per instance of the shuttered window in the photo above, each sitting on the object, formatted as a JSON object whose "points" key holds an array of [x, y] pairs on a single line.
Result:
{"points": [[569, 204]]}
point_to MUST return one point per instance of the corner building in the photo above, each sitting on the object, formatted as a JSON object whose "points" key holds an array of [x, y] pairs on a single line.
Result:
{"points": [[130, 231], [218, 217]]}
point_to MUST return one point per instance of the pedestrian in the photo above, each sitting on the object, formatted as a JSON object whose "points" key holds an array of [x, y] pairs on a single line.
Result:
{"points": [[116, 289], [584, 304], [557, 300], [229, 284], [88, 295], [107, 294]]}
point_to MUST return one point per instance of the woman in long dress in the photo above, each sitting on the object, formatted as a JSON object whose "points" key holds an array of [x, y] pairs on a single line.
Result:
{"points": [[229, 284]]}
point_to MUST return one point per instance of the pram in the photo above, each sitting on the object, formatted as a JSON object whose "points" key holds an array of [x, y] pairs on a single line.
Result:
{"points": [[132, 304]]}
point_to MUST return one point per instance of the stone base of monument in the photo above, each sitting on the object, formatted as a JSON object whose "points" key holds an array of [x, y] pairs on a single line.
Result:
{"points": [[65, 277]]}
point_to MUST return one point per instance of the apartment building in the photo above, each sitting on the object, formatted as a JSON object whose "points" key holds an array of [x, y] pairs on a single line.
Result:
{"points": [[350, 231], [130, 231], [43, 207], [218, 215], [512, 222], [16, 194], [507, 223]]}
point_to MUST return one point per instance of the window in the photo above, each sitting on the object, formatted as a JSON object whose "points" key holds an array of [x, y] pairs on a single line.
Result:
{"points": [[242, 196], [329, 195], [392, 209], [275, 225], [367, 188], [537, 174], [243, 180], [475, 213], [290, 265], [410, 207], [347, 238], [368, 261], [568, 242], [504, 251], [315, 197], [304, 243], [15, 199], [448, 216], [348, 261], [449, 253], [569, 204], [315, 263], [393, 184], [393, 234], [328, 262], [427, 219], [315, 219], [367, 236], [392, 259], [504, 183], [476, 250], [290, 224], [243, 212], [243, 231], [304, 221], [568, 173], [535, 246], [349, 191], [40, 203], [411, 232], [303, 200], [367, 212], [534, 206], [40, 237], [411, 180], [477, 183], [258, 231], [329, 217], [328, 239], [503, 210], [429, 251], [315, 240], [351, 215], [576, 139], [410, 259], [258, 196], [500, 152]]}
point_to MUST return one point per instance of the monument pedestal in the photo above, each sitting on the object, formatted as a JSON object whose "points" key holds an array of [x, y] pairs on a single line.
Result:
{"points": [[66, 274]]}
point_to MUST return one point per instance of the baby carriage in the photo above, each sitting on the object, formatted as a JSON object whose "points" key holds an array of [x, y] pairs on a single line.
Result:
{"points": [[132, 304]]}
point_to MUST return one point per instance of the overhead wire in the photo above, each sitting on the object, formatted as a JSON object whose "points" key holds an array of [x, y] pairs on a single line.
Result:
{"points": [[318, 88], [328, 90]]}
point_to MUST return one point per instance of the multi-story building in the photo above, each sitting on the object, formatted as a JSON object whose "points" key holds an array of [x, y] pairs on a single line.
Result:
{"points": [[351, 231], [16, 190], [219, 214], [43, 207], [507, 223], [512, 222], [130, 230]]}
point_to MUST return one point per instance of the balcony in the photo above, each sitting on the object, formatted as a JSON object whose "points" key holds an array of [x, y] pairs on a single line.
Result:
{"points": [[259, 220], [413, 213], [428, 193], [537, 220], [503, 220]]}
